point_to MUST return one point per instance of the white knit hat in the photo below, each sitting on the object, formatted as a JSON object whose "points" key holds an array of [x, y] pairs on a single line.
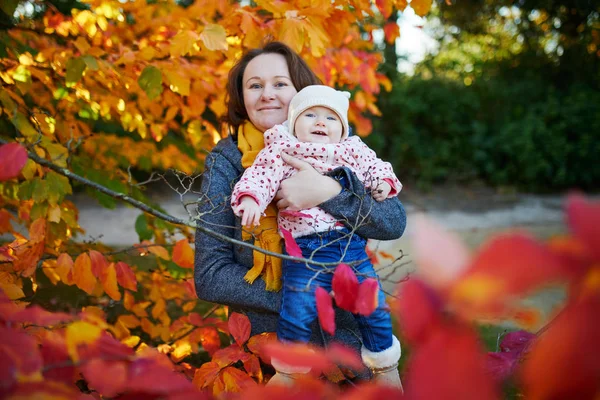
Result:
{"points": [[319, 95]]}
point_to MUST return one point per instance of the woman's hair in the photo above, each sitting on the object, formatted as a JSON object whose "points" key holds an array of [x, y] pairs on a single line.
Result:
{"points": [[300, 73]]}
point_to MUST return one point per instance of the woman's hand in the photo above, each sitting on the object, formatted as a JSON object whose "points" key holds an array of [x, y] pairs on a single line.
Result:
{"points": [[306, 189]]}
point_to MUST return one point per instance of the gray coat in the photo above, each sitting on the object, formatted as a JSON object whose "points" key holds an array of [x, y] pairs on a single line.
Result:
{"points": [[220, 266]]}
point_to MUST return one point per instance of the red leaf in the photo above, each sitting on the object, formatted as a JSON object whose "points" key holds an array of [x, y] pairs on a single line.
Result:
{"points": [[256, 343], [195, 319], [297, 214], [239, 328], [291, 247], [297, 355], [345, 287], [501, 366], [373, 392], [449, 365], [583, 218], [183, 255], [391, 31], [342, 355], [569, 345], [148, 376], [13, 157], [368, 296], [54, 352], [325, 310], [108, 377], [516, 342], [419, 310], [206, 374], [230, 355], [209, 338], [125, 276], [22, 350], [99, 263], [38, 316]]}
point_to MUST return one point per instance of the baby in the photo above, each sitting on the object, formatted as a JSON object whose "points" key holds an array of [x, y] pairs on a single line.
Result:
{"points": [[317, 132]]}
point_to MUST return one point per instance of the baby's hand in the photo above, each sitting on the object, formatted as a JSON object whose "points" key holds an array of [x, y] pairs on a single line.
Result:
{"points": [[250, 211], [381, 192]]}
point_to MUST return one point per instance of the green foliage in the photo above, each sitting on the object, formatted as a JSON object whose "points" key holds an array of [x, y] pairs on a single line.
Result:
{"points": [[516, 132]]}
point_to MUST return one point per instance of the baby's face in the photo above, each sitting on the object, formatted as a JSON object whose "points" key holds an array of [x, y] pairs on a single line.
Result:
{"points": [[318, 125]]}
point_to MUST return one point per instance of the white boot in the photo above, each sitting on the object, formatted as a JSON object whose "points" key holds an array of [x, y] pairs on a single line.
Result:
{"points": [[384, 364], [286, 374]]}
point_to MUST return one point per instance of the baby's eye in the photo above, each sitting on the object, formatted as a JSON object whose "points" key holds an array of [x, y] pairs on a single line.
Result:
{"points": [[332, 118], [310, 115]]}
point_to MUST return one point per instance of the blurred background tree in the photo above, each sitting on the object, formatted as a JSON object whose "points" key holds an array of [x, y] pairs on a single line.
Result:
{"points": [[511, 97]]}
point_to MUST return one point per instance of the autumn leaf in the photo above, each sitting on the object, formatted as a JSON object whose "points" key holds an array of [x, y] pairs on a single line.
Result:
{"points": [[19, 350], [149, 376], [385, 7], [232, 380], [291, 247], [206, 374], [82, 273], [325, 310], [150, 81], [214, 37], [109, 378], [421, 7], [98, 263], [345, 287], [75, 68], [229, 355], [368, 295], [239, 328], [183, 255], [13, 157], [391, 31], [79, 333], [183, 43], [125, 276], [419, 310], [108, 277]]}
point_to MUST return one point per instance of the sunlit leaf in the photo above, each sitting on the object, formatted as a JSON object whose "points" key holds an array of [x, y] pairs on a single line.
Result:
{"points": [[108, 277], [214, 37], [421, 7], [80, 333], [82, 273], [75, 68], [206, 374], [183, 255]]}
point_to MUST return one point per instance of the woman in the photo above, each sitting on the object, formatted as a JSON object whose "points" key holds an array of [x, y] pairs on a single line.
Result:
{"points": [[260, 88]]}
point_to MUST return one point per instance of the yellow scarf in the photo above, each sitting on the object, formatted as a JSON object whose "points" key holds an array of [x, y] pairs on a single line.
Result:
{"points": [[250, 143]]}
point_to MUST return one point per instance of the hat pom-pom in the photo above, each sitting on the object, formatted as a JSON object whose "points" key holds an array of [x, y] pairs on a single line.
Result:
{"points": [[346, 94]]}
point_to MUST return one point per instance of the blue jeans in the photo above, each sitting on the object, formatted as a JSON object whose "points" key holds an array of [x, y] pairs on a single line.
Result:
{"points": [[299, 307]]}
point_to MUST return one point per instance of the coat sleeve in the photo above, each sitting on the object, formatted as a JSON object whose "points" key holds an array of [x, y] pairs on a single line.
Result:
{"points": [[218, 277], [355, 207]]}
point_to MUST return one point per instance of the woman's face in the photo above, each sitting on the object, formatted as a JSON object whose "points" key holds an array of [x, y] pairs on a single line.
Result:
{"points": [[268, 90]]}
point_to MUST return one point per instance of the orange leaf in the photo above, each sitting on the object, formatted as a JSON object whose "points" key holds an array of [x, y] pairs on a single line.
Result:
{"points": [[109, 378], [98, 261], [292, 33], [345, 287], [391, 31], [125, 276], [252, 367], [183, 255], [385, 7], [421, 7], [297, 355], [239, 327], [13, 157], [82, 273], [108, 277], [256, 343], [206, 374], [325, 310], [368, 295], [570, 344], [583, 218], [64, 268], [232, 380], [291, 247], [230, 355], [5, 225]]}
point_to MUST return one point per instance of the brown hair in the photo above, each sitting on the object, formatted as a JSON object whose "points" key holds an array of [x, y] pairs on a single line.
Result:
{"points": [[300, 73]]}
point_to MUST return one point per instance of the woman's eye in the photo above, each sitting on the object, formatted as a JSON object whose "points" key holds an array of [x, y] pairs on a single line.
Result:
{"points": [[255, 86]]}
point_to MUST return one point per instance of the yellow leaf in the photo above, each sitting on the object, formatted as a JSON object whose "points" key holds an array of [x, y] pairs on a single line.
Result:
{"points": [[159, 251], [214, 37], [179, 83], [131, 341], [400, 4], [159, 308], [183, 43], [292, 33], [80, 332], [129, 321], [11, 290], [319, 40], [54, 213], [108, 277], [82, 45], [183, 348], [421, 7], [82, 273]]}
